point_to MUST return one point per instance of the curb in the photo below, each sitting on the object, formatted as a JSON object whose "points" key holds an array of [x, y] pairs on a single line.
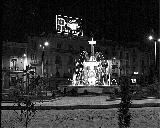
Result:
{"points": [[81, 107], [58, 98]]}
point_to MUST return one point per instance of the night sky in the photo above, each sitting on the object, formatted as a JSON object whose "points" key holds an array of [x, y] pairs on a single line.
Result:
{"points": [[120, 20]]}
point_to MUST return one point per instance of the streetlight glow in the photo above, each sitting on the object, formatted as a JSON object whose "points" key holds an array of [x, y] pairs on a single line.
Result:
{"points": [[43, 47], [24, 55], [150, 37], [155, 51], [46, 43]]}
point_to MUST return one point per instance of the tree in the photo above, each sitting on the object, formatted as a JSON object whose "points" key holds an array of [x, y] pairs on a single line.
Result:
{"points": [[124, 114], [26, 106]]}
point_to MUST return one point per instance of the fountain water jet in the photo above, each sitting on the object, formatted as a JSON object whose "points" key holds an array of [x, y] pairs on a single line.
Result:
{"points": [[91, 71]]}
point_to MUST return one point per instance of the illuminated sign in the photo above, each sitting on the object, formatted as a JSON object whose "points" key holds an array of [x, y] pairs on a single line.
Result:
{"points": [[135, 73], [133, 80], [69, 25], [114, 82]]}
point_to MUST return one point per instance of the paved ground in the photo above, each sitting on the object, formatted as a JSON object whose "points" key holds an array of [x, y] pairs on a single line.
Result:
{"points": [[86, 100], [147, 117]]}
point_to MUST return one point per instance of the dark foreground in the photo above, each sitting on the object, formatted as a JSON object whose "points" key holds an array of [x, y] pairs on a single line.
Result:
{"points": [[148, 117]]}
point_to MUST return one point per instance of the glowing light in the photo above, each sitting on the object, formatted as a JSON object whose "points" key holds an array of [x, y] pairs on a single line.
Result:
{"points": [[89, 70], [133, 80], [159, 40], [92, 41], [69, 25], [150, 37], [40, 45], [24, 55], [135, 73], [25, 61], [46, 43]]}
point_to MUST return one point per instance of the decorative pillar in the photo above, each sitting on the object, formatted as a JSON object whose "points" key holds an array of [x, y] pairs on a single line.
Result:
{"points": [[92, 42]]}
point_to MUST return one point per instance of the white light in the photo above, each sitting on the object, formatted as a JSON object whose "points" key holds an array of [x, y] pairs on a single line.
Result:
{"points": [[24, 55], [92, 41], [40, 45], [150, 37], [159, 40], [46, 43], [133, 80], [135, 73]]}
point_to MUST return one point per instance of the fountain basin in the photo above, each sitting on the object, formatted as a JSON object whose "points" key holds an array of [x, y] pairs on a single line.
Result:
{"points": [[93, 89]]}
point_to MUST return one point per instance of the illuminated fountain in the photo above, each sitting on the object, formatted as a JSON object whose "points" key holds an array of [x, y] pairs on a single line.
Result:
{"points": [[91, 70]]}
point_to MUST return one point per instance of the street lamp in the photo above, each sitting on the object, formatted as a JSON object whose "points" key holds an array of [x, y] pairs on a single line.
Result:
{"points": [[151, 38], [155, 42], [46, 44], [24, 55]]}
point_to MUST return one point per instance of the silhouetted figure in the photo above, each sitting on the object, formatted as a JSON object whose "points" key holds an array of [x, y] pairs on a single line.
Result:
{"points": [[124, 113], [64, 91], [53, 95], [39, 93]]}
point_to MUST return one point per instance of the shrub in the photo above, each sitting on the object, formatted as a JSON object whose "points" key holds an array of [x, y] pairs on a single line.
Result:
{"points": [[27, 111]]}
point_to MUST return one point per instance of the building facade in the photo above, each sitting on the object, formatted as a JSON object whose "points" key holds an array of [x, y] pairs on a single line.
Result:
{"points": [[60, 55], [62, 52], [14, 61]]}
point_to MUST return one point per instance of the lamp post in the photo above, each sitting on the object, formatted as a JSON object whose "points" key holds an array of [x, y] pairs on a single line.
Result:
{"points": [[26, 77], [151, 38], [43, 47]]}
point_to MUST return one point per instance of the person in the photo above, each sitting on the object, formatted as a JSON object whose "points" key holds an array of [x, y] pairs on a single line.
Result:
{"points": [[53, 94], [64, 91], [39, 93]]}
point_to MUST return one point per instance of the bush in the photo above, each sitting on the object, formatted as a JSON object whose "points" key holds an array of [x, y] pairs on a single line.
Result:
{"points": [[25, 115], [153, 90]]}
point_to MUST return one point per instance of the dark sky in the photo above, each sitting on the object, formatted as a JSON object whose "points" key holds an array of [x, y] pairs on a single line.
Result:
{"points": [[111, 19]]}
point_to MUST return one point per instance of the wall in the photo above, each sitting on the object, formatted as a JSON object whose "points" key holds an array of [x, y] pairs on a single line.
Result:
{"points": [[11, 50], [65, 49]]}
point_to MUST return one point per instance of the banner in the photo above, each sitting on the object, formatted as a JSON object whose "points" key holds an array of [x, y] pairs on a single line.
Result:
{"points": [[69, 25]]}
